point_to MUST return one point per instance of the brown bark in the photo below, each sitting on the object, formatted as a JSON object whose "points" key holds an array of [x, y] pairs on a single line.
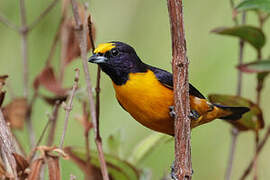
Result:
{"points": [[182, 165]]}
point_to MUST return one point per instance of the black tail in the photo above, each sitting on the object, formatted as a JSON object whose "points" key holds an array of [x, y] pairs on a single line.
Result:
{"points": [[237, 112]]}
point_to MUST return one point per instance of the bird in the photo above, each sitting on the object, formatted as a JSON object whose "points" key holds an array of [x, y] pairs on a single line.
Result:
{"points": [[146, 92]]}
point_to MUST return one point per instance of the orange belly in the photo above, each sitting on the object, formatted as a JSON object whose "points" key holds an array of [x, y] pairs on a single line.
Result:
{"points": [[148, 102]]}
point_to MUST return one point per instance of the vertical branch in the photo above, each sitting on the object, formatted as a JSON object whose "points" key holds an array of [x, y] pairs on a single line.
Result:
{"points": [[180, 63], [6, 146], [24, 33], [234, 131], [90, 28], [81, 34], [258, 151], [68, 108]]}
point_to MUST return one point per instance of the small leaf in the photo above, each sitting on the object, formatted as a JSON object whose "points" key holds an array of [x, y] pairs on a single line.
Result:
{"points": [[15, 112], [252, 120], [35, 169], [146, 146], [251, 34], [118, 169], [21, 165], [48, 79], [73, 49], [262, 66], [53, 168], [52, 100], [258, 5]]}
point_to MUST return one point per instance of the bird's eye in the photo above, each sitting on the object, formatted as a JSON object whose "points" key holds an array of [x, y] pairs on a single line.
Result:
{"points": [[115, 52]]}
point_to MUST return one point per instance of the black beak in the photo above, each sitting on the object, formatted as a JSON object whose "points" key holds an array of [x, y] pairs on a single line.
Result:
{"points": [[98, 59]]}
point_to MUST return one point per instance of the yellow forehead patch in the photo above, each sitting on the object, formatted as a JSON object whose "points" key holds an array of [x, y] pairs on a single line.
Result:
{"points": [[102, 48]]}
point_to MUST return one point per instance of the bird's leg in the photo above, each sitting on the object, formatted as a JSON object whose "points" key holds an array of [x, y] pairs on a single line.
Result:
{"points": [[173, 175], [172, 112], [194, 115]]}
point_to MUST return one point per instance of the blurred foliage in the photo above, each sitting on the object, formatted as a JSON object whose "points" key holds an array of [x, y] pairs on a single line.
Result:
{"points": [[252, 120], [251, 34]]}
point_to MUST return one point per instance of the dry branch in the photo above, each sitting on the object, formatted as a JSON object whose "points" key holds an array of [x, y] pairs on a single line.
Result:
{"points": [[7, 146], [9, 24], [68, 108], [234, 131], [81, 34], [42, 15], [258, 151], [182, 165]]}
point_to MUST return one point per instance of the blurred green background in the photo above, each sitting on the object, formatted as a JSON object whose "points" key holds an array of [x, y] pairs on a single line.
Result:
{"points": [[144, 24]]}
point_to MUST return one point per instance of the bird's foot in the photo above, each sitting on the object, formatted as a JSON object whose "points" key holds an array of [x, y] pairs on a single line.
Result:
{"points": [[173, 175], [194, 115], [172, 112], [173, 171]]}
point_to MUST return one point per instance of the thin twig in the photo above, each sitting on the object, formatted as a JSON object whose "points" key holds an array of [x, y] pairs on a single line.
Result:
{"points": [[68, 108], [57, 35], [234, 130], [235, 134], [29, 120], [64, 37], [24, 33], [53, 120], [259, 149], [8, 23], [182, 132], [234, 13], [87, 127], [42, 15], [97, 89], [81, 34], [255, 167], [7, 148]]}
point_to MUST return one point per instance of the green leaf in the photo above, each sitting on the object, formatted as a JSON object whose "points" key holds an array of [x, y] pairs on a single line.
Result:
{"points": [[252, 120], [147, 145], [250, 34], [118, 169], [259, 5], [114, 141], [262, 66]]}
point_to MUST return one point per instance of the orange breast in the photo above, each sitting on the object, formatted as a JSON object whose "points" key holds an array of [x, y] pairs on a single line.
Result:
{"points": [[147, 100]]}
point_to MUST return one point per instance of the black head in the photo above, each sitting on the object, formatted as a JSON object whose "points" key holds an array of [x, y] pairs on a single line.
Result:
{"points": [[117, 59]]}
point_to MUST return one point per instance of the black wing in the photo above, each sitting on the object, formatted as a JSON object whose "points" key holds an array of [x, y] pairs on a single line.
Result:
{"points": [[166, 79]]}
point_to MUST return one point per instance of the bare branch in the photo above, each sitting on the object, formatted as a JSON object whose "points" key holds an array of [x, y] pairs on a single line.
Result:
{"points": [[68, 108], [53, 120], [82, 37], [9, 24], [42, 15], [258, 151], [234, 131], [182, 165], [24, 33], [6, 146]]}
